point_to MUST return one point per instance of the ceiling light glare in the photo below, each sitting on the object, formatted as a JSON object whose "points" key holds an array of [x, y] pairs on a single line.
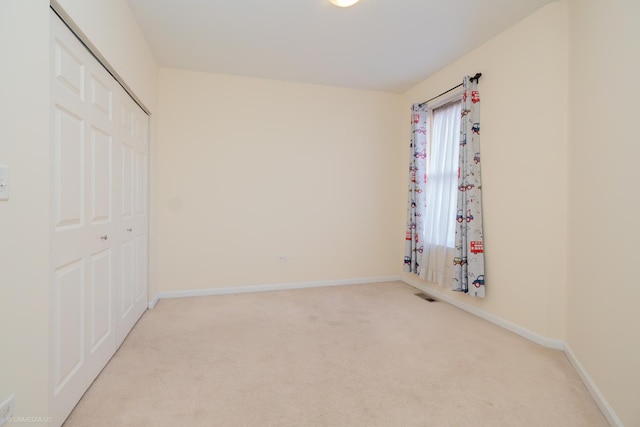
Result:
{"points": [[344, 3]]}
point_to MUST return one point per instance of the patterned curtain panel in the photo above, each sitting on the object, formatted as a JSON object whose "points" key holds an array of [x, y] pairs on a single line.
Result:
{"points": [[468, 273], [417, 182]]}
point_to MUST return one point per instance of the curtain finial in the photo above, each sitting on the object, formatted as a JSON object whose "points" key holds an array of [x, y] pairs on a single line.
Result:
{"points": [[476, 78]]}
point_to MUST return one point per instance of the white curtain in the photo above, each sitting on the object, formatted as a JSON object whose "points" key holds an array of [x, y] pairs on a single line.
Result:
{"points": [[441, 194]]}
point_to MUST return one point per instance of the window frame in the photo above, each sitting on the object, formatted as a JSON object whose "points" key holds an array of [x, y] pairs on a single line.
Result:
{"points": [[454, 97]]}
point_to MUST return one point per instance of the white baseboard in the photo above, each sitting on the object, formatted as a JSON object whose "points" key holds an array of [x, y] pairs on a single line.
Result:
{"points": [[153, 302], [602, 403], [273, 287], [517, 329]]}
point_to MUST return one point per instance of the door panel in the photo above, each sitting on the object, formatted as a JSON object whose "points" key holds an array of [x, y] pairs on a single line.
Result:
{"points": [[140, 291], [127, 179], [101, 96], [101, 176], [100, 297], [127, 279], [68, 141], [140, 183], [127, 119], [68, 324], [69, 68]]}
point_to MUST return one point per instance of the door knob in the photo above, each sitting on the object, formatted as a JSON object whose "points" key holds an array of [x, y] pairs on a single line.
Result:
{"points": [[105, 237]]}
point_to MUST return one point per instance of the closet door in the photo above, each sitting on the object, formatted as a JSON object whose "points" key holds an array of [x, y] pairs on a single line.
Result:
{"points": [[133, 223], [83, 229], [99, 147]]}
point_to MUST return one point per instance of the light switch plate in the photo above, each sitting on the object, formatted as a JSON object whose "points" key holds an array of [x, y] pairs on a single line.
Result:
{"points": [[4, 182]]}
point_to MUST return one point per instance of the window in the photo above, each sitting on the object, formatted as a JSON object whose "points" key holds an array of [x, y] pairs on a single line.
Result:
{"points": [[443, 141], [444, 239]]}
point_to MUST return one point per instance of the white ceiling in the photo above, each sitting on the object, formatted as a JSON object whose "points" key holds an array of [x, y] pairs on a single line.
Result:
{"points": [[384, 45]]}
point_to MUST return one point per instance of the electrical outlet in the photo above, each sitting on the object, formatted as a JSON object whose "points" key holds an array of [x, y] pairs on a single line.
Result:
{"points": [[6, 410], [282, 259]]}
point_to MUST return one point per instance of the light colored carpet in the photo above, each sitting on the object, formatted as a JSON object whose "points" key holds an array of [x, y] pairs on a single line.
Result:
{"points": [[362, 355]]}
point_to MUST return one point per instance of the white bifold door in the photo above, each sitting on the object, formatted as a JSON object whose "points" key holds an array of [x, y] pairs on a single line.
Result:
{"points": [[99, 151]]}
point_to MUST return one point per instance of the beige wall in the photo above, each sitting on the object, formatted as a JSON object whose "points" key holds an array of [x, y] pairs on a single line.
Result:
{"points": [[604, 292], [524, 159], [24, 146], [24, 218], [251, 170]]}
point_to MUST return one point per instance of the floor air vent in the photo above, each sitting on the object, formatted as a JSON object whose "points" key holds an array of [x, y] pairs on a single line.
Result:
{"points": [[425, 297]]}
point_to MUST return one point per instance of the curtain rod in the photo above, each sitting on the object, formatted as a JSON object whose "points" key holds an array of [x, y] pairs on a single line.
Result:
{"points": [[476, 78]]}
